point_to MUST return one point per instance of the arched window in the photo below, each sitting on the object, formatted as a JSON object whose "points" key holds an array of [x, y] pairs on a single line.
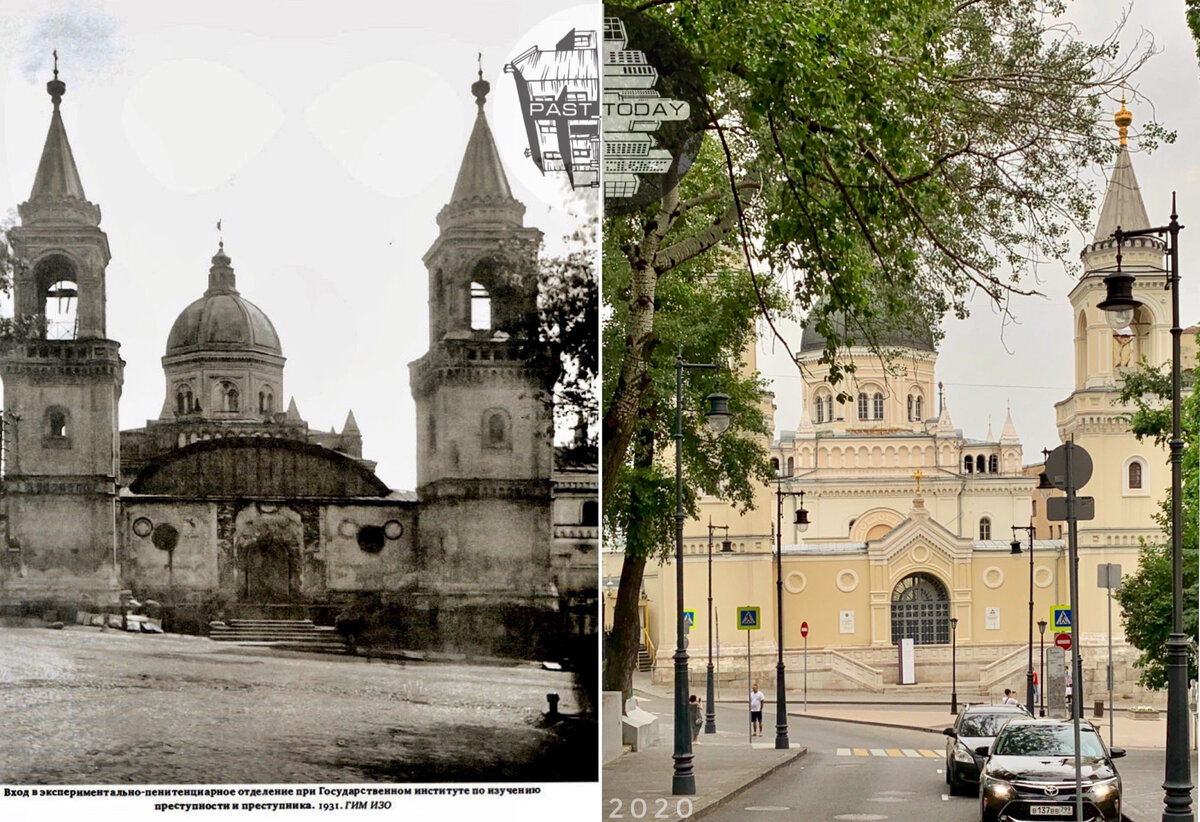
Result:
{"points": [[829, 407], [791, 466], [911, 407], [862, 406], [1034, 511], [1135, 475], [229, 396], [980, 464], [266, 402], [968, 464], [775, 466], [495, 428], [820, 409], [985, 528], [993, 464], [481, 308], [878, 406], [56, 422], [920, 409], [589, 513], [921, 610]]}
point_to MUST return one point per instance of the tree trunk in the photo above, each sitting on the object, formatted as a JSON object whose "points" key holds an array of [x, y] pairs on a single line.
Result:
{"points": [[622, 648]]}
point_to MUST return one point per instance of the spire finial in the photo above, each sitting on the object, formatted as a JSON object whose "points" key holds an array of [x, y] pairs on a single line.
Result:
{"points": [[1123, 118], [220, 237], [480, 87], [56, 88]]}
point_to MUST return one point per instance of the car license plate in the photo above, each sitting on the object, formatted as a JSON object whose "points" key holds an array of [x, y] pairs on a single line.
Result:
{"points": [[1051, 810]]}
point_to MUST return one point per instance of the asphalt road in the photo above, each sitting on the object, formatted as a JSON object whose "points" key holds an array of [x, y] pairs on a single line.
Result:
{"points": [[83, 707]]}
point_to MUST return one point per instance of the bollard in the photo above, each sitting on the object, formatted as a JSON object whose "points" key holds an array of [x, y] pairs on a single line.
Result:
{"points": [[552, 714]]}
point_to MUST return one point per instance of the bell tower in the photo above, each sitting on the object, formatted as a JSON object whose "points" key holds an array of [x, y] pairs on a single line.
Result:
{"points": [[484, 419], [61, 387]]}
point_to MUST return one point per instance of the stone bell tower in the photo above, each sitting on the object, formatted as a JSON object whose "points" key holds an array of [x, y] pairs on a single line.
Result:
{"points": [[61, 388], [484, 421]]}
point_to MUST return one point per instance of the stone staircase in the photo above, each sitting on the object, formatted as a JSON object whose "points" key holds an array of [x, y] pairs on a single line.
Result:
{"points": [[294, 634], [645, 662]]}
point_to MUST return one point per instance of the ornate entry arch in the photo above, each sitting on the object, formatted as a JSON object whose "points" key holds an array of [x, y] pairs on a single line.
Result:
{"points": [[921, 610]]}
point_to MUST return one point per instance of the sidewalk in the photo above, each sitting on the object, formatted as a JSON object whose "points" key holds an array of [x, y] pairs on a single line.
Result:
{"points": [[724, 767]]}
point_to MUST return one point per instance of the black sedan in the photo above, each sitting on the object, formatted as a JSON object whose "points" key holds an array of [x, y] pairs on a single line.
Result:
{"points": [[975, 728], [1030, 774]]}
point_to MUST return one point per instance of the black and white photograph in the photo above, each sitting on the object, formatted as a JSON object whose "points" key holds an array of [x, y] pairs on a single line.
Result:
{"points": [[299, 498]]}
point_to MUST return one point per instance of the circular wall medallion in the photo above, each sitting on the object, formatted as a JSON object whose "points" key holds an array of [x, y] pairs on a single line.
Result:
{"points": [[920, 553], [795, 582], [142, 527], [993, 577], [348, 528], [393, 529], [1043, 577], [847, 580]]}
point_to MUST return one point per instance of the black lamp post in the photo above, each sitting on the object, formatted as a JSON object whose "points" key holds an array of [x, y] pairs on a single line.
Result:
{"points": [[1042, 665], [954, 665], [1121, 306], [710, 712], [683, 781], [801, 522], [1016, 549]]}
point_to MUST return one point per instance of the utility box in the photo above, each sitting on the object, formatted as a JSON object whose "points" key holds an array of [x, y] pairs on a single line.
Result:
{"points": [[908, 662]]}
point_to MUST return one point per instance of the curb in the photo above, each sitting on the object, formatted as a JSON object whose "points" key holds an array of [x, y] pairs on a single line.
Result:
{"points": [[722, 801], [868, 722]]}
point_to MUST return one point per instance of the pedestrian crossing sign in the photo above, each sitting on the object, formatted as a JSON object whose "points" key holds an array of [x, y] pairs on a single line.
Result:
{"points": [[748, 618], [689, 619], [1061, 619]]}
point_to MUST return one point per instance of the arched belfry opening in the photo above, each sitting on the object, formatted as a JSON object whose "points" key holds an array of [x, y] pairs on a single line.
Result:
{"points": [[921, 610], [58, 297], [481, 308]]}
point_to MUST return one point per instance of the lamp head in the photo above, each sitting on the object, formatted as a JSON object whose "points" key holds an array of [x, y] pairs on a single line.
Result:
{"points": [[953, 622], [726, 546], [801, 520], [1042, 626], [1016, 546], [1119, 303], [718, 416]]}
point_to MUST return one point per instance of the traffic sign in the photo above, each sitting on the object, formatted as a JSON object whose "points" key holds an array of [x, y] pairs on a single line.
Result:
{"points": [[1056, 508], [804, 629], [748, 618], [1061, 619], [1081, 466], [689, 619], [1063, 641]]}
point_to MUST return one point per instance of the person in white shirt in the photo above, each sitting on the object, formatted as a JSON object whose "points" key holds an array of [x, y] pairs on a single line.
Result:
{"points": [[756, 708]]}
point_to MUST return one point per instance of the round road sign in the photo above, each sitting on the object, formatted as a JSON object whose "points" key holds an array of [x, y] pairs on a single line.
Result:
{"points": [[803, 629], [1063, 641], [1081, 466]]}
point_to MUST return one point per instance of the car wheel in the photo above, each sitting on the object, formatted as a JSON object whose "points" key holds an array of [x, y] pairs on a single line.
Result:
{"points": [[949, 768]]}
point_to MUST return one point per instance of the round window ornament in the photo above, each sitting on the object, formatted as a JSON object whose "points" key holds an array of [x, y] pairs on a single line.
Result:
{"points": [[393, 529], [142, 526], [370, 538], [795, 582], [165, 537], [847, 580], [993, 577], [347, 528]]}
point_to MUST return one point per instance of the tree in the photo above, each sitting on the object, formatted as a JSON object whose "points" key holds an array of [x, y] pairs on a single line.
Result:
{"points": [[1145, 596], [1193, 21], [881, 160]]}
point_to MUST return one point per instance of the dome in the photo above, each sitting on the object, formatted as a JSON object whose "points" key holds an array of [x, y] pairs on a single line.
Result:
{"points": [[886, 335], [222, 320]]}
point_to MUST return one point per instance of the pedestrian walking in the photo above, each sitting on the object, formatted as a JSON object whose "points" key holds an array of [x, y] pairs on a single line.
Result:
{"points": [[695, 716], [757, 698]]}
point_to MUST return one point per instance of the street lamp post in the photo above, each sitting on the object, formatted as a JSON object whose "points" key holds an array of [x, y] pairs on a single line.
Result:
{"points": [[954, 665], [801, 522], [683, 781], [1016, 549], [1121, 305], [710, 711], [1042, 664]]}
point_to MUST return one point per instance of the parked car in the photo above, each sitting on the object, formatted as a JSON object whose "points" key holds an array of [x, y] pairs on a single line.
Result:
{"points": [[975, 727], [1030, 773]]}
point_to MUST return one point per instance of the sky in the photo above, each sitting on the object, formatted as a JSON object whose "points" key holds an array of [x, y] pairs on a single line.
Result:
{"points": [[988, 363], [325, 138]]}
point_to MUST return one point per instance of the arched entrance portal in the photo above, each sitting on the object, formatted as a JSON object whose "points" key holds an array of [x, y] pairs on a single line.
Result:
{"points": [[921, 610], [268, 549]]}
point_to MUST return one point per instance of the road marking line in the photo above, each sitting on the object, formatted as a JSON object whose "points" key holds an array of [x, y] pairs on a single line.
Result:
{"points": [[893, 752], [928, 754], [909, 752], [861, 752], [843, 752], [878, 752]]}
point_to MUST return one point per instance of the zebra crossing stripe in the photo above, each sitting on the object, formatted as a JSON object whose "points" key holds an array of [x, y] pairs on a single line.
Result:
{"points": [[896, 753], [928, 754], [843, 752], [861, 752], [909, 752], [878, 752]]}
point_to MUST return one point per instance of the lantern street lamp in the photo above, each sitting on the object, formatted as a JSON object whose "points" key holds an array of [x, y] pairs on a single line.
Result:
{"points": [[1042, 665], [954, 665], [801, 522], [1016, 549], [1121, 307], [710, 712], [683, 781]]}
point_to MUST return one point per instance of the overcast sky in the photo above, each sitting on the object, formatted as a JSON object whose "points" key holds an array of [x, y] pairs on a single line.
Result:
{"points": [[326, 137], [986, 364]]}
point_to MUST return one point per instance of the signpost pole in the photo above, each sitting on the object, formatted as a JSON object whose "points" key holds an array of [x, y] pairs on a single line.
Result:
{"points": [[749, 678], [806, 672], [1076, 679]]}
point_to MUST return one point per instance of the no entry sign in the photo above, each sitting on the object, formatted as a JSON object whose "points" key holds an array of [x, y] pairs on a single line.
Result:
{"points": [[1063, 641]]}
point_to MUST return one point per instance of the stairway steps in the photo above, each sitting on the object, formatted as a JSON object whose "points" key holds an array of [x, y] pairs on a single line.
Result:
{"points": [[300, 634]]}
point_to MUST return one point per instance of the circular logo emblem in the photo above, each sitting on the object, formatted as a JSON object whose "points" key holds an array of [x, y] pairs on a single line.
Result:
{"points": [[653, 112], [1051, 790]]}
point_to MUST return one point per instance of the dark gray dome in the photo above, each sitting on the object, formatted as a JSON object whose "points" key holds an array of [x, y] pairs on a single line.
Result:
{"points": [[879, 330]]}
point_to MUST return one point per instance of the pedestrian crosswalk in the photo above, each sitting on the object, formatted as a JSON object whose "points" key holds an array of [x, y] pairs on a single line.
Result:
{"points": [[910, 753]]}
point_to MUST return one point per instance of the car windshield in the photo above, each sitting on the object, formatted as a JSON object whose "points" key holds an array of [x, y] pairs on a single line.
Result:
{"points": [[1046, 740], [983, 724]]}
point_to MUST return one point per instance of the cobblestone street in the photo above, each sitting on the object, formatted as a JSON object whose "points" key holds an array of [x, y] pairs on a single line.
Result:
{"points": [[80, 706]]}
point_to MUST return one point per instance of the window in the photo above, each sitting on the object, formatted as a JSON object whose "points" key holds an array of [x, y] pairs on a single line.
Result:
{"points": [[921, 610], [266, 402], [911, 407], [775, 465], [862, 406], [590, 513], [481, 308], [829, 407], [791, 466], [495, 429], [229, 396], [993, 464], [968, 464], [56, 419], [985, 528], [185, 403], [878, 406], [1034, 512], [920, 413], [1135, 475], [820, 409], [980, 464]]}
